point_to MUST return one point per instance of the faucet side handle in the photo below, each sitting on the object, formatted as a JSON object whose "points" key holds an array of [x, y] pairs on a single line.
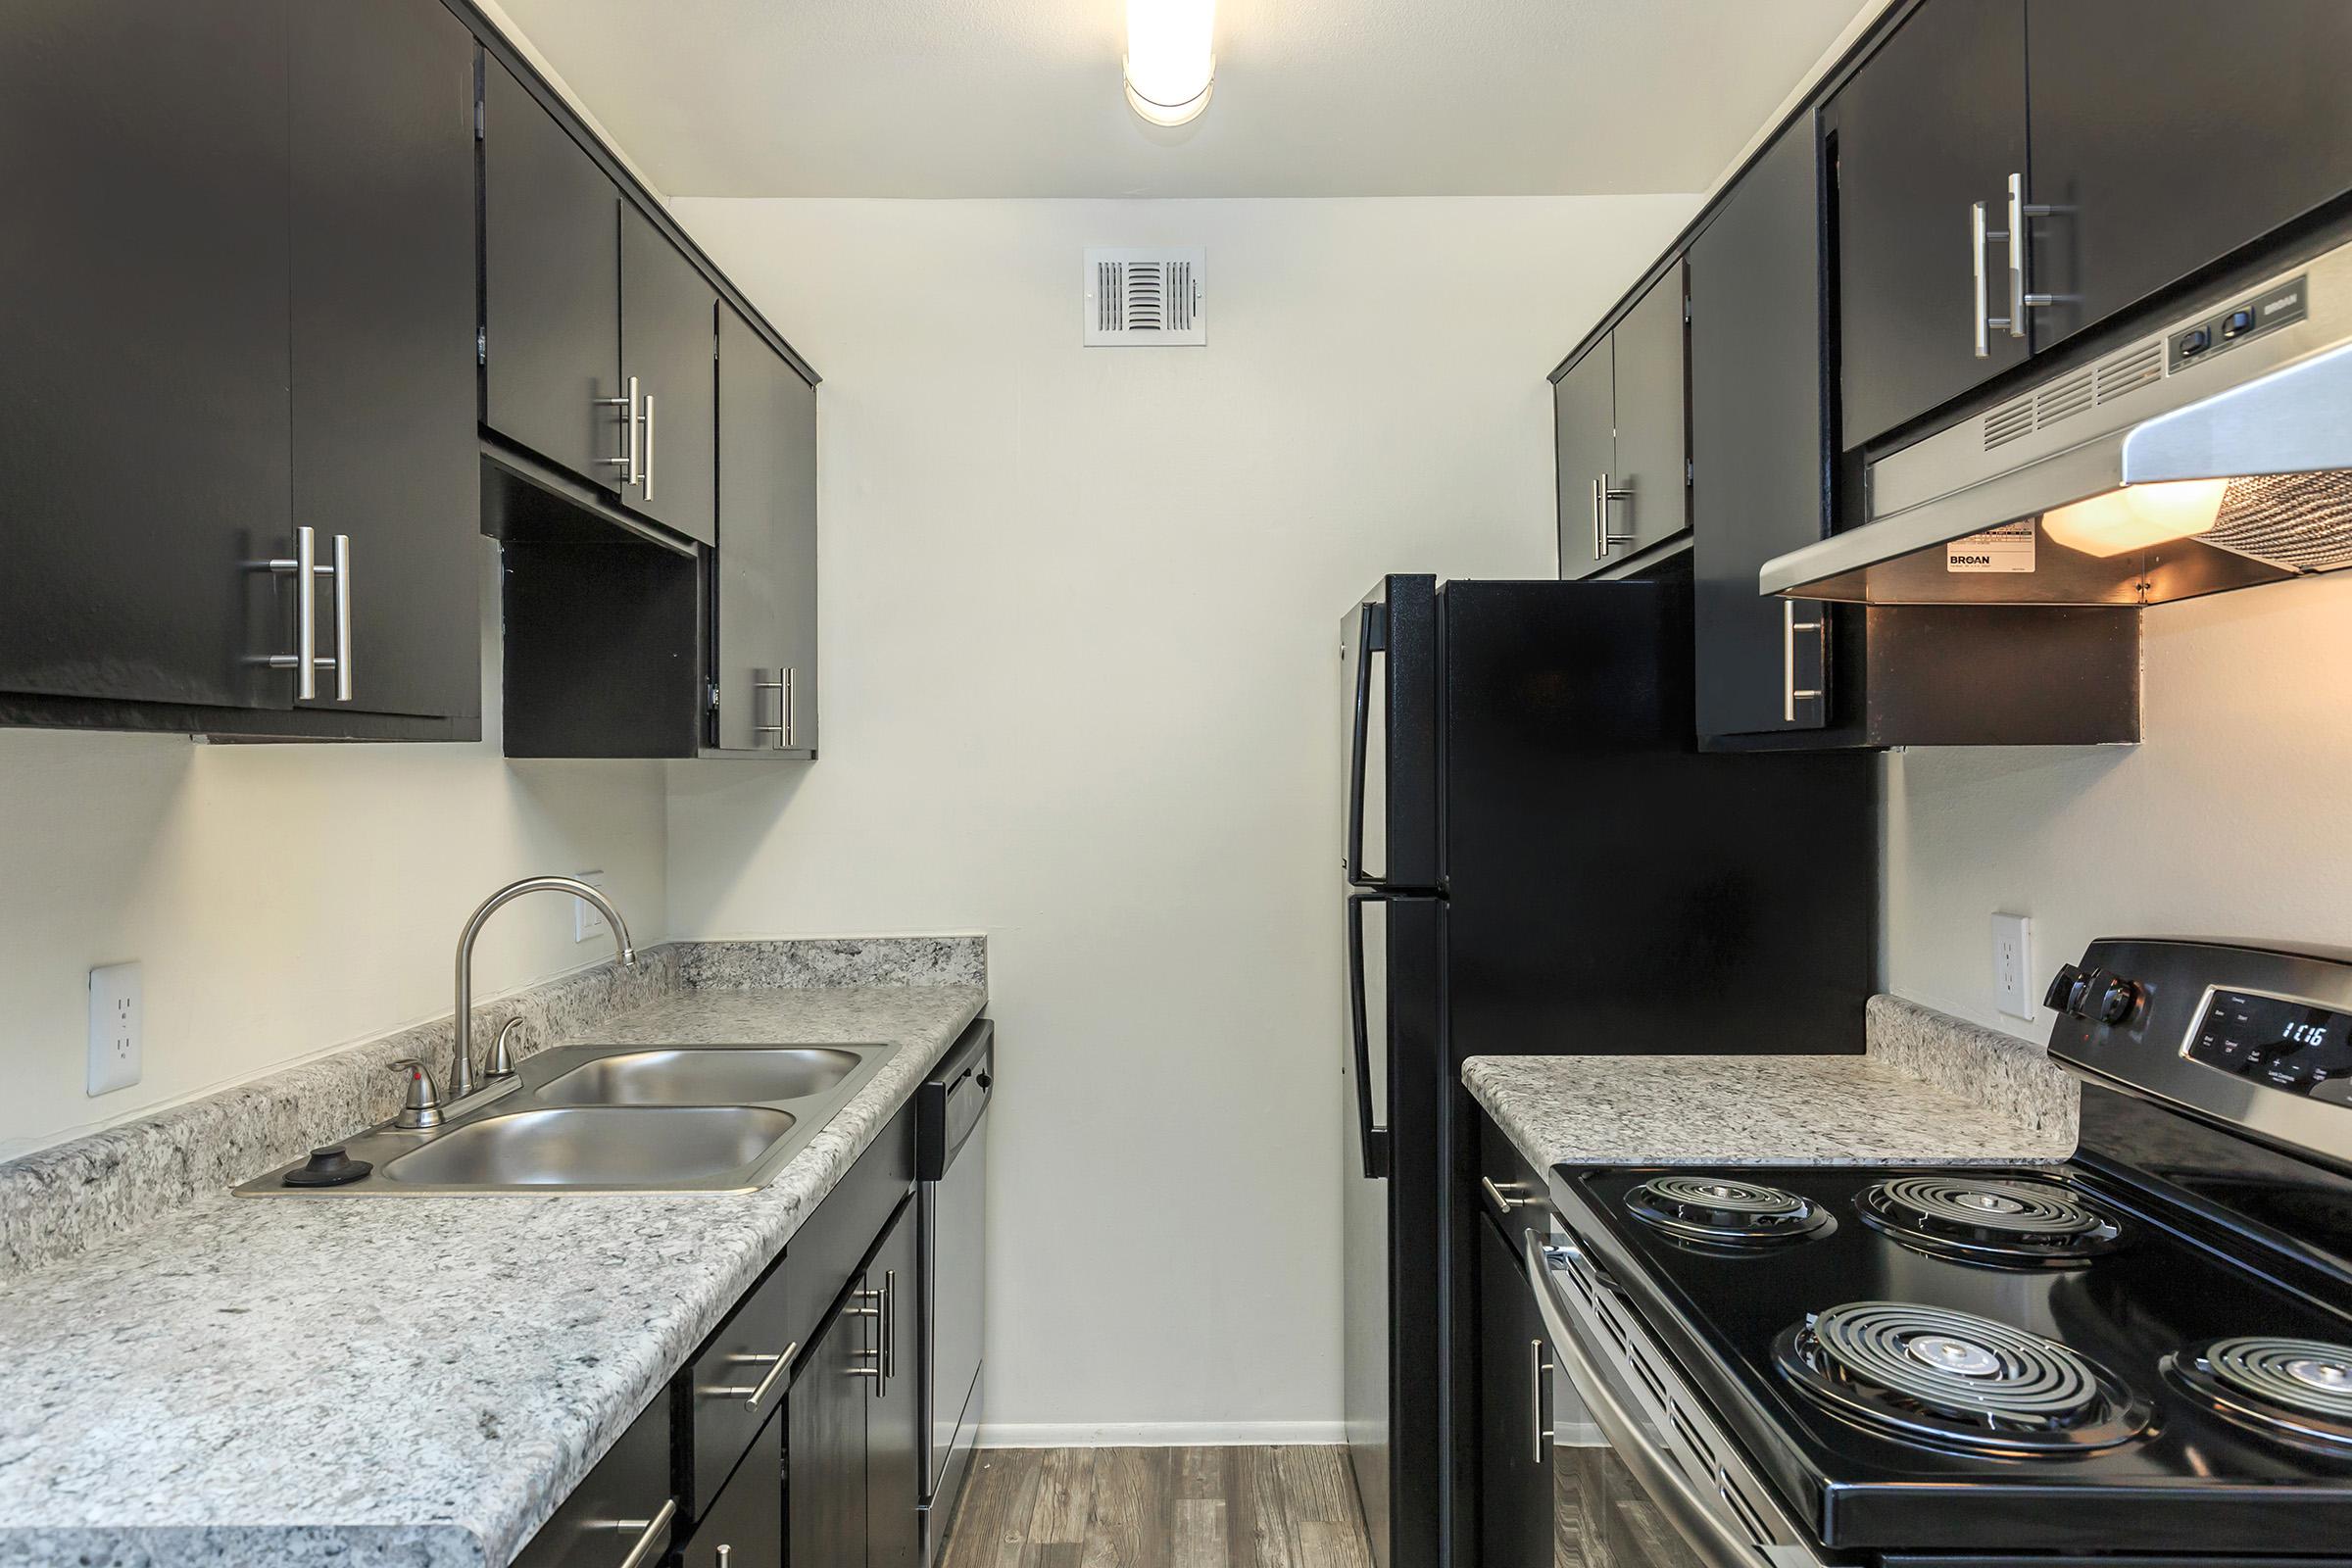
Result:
{"points": [[421, 1108], [502, 1055]]}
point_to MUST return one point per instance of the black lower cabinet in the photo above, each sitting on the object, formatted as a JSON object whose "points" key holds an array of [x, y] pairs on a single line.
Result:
{"points": [[825, 1471], [623, 1501], [744, 1527], [1514, 1452], [894, 1422]]}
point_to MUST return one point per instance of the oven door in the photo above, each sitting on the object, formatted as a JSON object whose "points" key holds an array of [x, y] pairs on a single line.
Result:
{"points": [[1663, 1484]]}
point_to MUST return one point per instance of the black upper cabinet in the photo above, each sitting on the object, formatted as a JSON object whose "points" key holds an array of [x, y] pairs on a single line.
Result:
{"points": [[1759, 461], [1932, 123], [666, 349], [764, 589], [551, 292], [384, 449], [2166, 133], [144, 152], [1653, 421], [1585, 436]]}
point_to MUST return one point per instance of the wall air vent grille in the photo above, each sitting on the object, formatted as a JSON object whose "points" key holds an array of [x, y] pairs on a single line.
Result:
{"points": [[1144, 298], [2129, 372]]}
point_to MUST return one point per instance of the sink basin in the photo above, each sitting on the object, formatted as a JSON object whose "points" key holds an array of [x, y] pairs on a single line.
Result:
{"points": [[742, 1075], [596, 1146]]}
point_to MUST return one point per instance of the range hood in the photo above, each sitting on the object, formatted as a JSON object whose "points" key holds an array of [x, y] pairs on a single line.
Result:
{"points": [[2212, 453]]}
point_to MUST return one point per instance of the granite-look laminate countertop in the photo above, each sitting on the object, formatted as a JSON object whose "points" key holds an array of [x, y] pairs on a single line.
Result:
{"points": [[1963, 1097], [414, 1381]]}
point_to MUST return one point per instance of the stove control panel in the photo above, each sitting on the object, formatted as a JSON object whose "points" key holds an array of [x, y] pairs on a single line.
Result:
{"points": [[2256, 1038], [2287, 1042]]}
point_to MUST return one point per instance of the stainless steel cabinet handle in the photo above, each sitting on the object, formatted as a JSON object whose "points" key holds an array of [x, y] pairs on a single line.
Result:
{"points": [[754, 1394], [1604, 493], [626, 462], [1790, 695], [890, 1325], [783, 727], [648, 446], [340, 570], [724, 1551], [303, 567], [1539, 1373], [650, 1532], [792, 710], [1986, 321], [1505, 1199], [2019, 210]]}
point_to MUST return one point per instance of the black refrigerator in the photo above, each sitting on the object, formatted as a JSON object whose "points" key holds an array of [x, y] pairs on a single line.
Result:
{"points": [[1540, 860]]}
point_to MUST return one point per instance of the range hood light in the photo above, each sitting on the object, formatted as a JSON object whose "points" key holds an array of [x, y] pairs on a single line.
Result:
{"points": [[1171, 60], [2134, 516]]}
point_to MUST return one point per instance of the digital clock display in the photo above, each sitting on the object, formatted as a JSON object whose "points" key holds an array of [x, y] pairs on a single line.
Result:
{"points": [[2279, 1041]]}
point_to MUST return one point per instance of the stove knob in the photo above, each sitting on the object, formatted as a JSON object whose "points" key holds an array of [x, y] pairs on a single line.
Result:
{"points": [[2118, 1001], [2065, 992]]}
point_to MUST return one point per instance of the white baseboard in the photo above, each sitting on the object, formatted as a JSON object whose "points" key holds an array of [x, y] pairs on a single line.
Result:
{"points": [[1155, 1434]]}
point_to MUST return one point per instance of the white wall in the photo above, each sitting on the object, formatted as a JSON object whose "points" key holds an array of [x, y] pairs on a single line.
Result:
{"points": [[282, 899], [1080, 692], [2227, 820]]}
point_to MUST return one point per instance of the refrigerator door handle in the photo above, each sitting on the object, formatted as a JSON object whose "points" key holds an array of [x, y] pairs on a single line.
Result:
{"points": [[1375, 1139], [1372, 636]]}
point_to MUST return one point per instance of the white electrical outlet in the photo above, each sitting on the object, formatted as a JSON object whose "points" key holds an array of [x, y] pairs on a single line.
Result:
{"points": [[587, 920], [2012, 964], [118, 1018]]}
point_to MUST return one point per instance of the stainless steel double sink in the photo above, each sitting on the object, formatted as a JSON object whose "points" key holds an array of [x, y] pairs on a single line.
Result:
{"points": [[614, 1118]]}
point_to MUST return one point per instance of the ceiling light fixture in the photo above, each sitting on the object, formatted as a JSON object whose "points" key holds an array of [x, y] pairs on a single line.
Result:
{"points": [[2134, 516], [1171, 60]]}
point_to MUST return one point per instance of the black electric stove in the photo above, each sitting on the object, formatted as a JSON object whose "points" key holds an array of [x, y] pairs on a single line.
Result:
{"points": [[2146, 1350]]}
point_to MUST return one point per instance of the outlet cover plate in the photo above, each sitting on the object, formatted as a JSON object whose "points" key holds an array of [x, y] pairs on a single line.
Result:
{"points": [[117, 1027], [588, 921], [2012, 964]]}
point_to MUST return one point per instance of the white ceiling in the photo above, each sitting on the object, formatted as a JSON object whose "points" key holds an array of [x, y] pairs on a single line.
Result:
{"points": [[1313, 97]]}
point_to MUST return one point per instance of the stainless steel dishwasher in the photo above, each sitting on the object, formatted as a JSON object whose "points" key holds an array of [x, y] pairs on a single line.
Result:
{"points": [[952, 1164]]}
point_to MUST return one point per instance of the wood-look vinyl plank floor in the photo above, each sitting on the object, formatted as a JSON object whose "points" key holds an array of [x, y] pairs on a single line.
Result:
{"points": [[1253, 1508]]}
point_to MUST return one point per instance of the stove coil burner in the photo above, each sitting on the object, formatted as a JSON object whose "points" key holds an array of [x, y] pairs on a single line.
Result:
{"points": [[2300, 1389], [2011, 1223], [1954, 1380], [1720, 1212]]}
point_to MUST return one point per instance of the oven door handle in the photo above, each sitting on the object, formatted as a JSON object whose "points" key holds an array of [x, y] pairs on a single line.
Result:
{"points": [[1674, 1494]]}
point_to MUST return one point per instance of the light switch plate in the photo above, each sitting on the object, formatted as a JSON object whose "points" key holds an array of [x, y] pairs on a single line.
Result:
{"points": [[587, 920], [117, 1027], [2012, 964]]}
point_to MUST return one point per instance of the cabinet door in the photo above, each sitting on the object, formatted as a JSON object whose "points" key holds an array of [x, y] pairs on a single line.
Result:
{"points": [[894, 1423], [619, 1505], [666, 325], [824, 1447], [763, 615], [1514, 1453], [1653, 420], [743, 1525], [1585, 439], [144, 255], [1931, 123], [2170, 132], [550, 288], [1759, 466], [384, 449]]}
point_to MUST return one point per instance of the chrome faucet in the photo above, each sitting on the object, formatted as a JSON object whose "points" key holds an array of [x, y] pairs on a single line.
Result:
{"points": [[462, 1081]]}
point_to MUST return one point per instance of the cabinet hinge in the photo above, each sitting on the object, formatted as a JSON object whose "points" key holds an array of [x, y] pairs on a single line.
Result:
{"points": [[477, 120], [1686, 473], [1685, 310], [713, 696], [481, 345]]}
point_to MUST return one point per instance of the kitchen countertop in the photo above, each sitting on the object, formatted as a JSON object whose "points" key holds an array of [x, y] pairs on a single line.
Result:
{"points": [[1868, 1110], [414, 1381]]}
